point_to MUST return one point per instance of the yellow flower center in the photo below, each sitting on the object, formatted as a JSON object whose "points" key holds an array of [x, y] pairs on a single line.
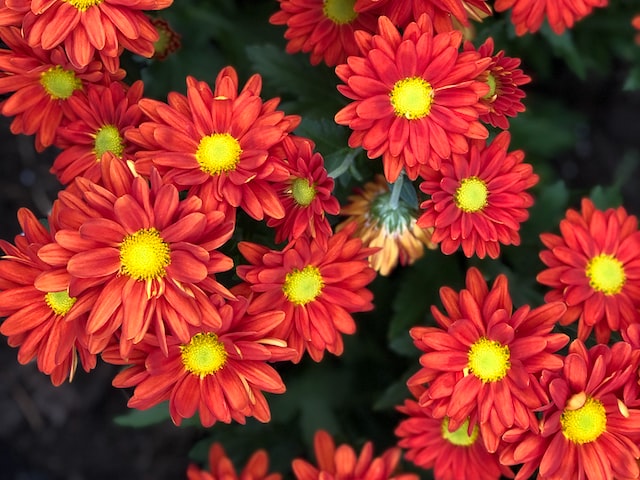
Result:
{"points": [[217, 153], [303, 192], [471, 195], [411, 98], [60, 302], [459, 437], [303, 286], [60, 83], [83, 5], [144, 255], [489, 360], [491, 81], [108, 139], [204, 354], [586, 423], [340, 12], [606, 274]]}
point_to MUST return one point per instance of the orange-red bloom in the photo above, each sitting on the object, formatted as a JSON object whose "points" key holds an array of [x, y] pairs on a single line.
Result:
{"points": [[217, 140], [593, 267], [41, 82], [168, 39], [635, 22], [478, 200], [586, 431], [416, 100], [87, 27], [528, 15], [343, 463], [98, 118], [323, 28], [317, 288], [451, 454], [46, 325], [220, 371], [152, 256], [483, 361], [221, 467]]}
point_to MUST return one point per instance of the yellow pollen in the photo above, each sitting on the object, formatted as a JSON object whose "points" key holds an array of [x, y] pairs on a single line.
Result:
{"points": [[60, 83], [60, 302], [204, 354], [83, 5], [459, 437], [584, 424], [606, 274], [303, 192], [144, 255], [471, 195], [303, 286], [489, 360], [411, 98], [108, 139], [339, 12], [218, 153]]}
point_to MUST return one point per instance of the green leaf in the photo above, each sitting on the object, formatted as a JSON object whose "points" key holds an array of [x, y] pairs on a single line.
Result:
{"points": [[144, 418]]}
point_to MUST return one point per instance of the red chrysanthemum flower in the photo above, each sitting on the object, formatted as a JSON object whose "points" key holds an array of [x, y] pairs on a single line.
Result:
{"points": [[528, 15], [221, 467], [152, 256], [41, 82], [483, 361], [443, 12], [478, 200], [99, 117], [219, 372], [87, 27], [169, 41], [416, 100], [306, 196], [593, 267], [586, 431], [451, 454], [504, 79], [317, 288], [46, 325], [323, 28], [635, 23], [342, 463], [217, 141]]}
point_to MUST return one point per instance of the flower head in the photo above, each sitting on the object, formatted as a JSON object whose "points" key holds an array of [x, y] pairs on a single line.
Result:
{"points": [[168, 39], [221, 468], [415, 97], [479, 199], [387, 224], [343, 463], [483, 361], [592, 266]]}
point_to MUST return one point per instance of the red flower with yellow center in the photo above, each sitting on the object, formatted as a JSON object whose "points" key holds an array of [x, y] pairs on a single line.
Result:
{"points": [[325, 28], [99, 117], [217, 140], [317, 288], [41, 82], [220, 467], [416, 100], [478, 200], [221, 373], [593, 267], [46, 325], [528, 15], [338, 463], [152, 256], [483, 361], [84, 27], [586, 431]]}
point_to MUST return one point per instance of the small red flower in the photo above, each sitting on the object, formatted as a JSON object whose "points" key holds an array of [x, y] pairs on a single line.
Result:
{"points": [[635, 22], [221, 468], [593, 267], [415, 97], [168, 39], [478, 200]]}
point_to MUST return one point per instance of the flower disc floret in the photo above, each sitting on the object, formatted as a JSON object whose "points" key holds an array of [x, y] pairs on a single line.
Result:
{"points": [[60, 83], [411, 98], [60, 302], [218, 153], [606, 274], [489, 360], [460, 437], [144, 255], [83, 5], [340, 12], [204, 354], [303, 286], [108, 139], [584, 424], [303, 192], [471, 196]]}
